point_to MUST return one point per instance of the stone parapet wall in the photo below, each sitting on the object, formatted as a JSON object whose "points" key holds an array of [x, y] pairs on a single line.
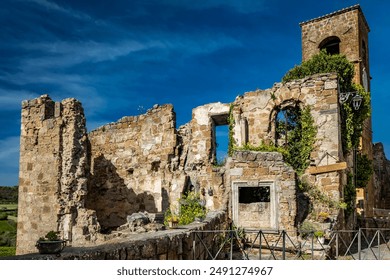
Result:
{"points": [[175, 244]]}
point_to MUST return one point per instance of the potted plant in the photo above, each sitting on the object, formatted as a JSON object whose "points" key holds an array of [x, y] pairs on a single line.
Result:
{"points": [[50, 244], [320, 235], [173, 221]]}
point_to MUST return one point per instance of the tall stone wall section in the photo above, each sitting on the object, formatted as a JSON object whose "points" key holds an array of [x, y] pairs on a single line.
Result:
{"points": [[200, 157], [53, 174], [131, 165], [351, 27]]}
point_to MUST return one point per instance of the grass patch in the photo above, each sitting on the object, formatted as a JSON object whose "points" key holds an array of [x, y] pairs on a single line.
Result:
{"points": [[7, 251], [7, 233], [8, 206], [13, 218], [7, 226]]}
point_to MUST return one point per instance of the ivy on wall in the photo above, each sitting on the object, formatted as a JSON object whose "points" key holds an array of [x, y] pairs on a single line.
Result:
{"points": [[302, 138], [231, 123], [352, 120], [349, 195], [364, 170], [302, 141]]}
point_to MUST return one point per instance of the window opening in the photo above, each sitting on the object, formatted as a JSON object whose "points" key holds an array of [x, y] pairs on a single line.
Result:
{"points": [[221, 139], [286, 124], [254, 194], [331, 45]]}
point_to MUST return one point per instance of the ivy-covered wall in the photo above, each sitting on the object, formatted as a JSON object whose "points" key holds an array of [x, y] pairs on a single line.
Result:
{"points": [[320, 111]]}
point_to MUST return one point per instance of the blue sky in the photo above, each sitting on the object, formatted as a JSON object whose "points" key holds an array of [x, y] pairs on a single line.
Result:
{"points": [[121, 57]]}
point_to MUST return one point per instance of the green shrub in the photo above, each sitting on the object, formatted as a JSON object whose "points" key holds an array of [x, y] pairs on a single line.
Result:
{"points": [[191, 208], [325, 63], [50, 236]]}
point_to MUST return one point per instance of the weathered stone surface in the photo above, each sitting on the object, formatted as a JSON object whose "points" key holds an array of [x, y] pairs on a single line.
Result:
{"points": [[85, 185]]}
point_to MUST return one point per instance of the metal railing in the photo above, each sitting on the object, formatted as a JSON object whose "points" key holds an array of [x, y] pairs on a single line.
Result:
{"points": [[361, 244]]}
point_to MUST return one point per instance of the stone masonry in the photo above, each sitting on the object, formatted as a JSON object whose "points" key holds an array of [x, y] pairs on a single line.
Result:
{"points": [[85, 185], [350, 28]]}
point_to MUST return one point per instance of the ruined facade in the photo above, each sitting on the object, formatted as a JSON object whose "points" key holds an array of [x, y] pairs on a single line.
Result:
{"points": [[84, 184]]}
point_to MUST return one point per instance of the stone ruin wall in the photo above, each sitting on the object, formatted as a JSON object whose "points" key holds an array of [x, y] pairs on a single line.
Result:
{"points": [[259, 108], [132, 166], [196, 241], [251, 169], [79, 183], [53, 173]]}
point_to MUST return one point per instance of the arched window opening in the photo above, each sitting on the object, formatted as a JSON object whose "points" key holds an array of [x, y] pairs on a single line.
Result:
{"points": [[331, 45], [286, 125]]}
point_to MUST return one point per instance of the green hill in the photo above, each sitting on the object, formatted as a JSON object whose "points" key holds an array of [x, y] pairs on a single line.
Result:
{"points": [[8, 217]]}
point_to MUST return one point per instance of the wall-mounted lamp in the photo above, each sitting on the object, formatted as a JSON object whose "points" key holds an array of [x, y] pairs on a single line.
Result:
{"points": [[356, 99]]}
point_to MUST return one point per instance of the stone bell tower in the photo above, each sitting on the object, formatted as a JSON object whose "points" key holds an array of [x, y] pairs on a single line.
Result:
{"points": [[345, 32]]}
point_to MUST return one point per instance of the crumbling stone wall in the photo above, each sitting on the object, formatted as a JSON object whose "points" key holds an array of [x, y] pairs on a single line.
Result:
{"points": [[53, 174], [320, 93], [144, 163], [200, 158], [132, 162]]}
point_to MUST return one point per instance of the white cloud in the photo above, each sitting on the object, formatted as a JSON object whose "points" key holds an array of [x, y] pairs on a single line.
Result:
{"points": [[57, 8], [64, 54], [11, 99]]}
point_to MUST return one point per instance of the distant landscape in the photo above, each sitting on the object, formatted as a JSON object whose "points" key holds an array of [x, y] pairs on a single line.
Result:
{"points": [[8, 219]]}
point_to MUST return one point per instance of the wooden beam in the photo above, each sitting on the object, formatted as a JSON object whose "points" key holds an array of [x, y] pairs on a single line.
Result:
{"points": [[327, 168]]}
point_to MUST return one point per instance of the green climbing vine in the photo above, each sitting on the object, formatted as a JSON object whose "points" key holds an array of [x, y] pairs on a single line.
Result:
{"points": [[301, 142], [364, 170], [352, 120], [349, 195], [231, 123]]}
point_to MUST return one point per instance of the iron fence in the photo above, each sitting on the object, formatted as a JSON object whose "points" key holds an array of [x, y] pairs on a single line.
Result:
{"points": [[249, 244]]}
